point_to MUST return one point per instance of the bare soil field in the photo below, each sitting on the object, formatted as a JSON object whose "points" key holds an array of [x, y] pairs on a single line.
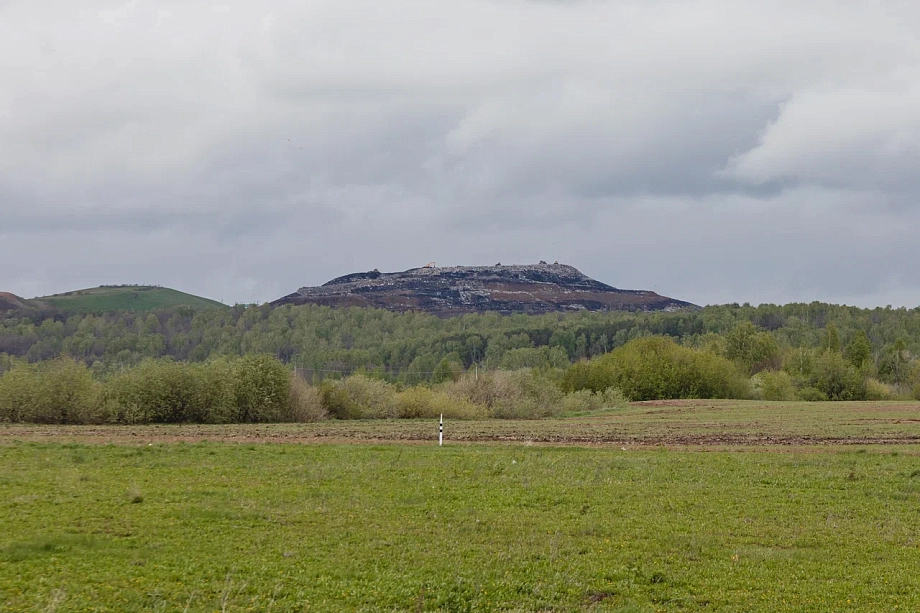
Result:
{"points": [[688, 423]]}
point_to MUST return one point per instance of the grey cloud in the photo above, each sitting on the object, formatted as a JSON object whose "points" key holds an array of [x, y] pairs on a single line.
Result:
{"points": [[710, 151]]}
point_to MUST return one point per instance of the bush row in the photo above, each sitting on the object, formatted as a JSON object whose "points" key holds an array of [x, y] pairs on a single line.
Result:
{"points": [[255, 388], [517, 394], [259, 388], [654, 368]]}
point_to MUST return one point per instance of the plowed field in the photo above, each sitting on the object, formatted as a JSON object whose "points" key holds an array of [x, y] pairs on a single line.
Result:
{"points": [[670, 424]]}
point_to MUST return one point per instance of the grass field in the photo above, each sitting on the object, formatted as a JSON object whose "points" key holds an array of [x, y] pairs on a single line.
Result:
{"points": [[129, 298], [154, 524]]}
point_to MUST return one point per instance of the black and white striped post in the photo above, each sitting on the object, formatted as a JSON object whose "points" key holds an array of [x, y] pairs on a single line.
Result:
{"points": [[441, 431]]}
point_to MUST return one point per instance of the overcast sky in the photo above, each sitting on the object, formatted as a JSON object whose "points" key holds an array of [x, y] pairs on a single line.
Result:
{"points": [[712, 151]]}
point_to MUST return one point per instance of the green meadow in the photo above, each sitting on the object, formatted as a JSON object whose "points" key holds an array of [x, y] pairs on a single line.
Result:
{"points": [[213, 526]]}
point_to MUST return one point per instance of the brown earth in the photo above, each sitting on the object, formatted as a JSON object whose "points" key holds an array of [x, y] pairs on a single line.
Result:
{"points": [[698, 425], [12, 302]]}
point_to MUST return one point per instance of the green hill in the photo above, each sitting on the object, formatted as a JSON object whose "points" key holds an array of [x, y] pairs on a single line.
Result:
{"points": [[126, 298]]}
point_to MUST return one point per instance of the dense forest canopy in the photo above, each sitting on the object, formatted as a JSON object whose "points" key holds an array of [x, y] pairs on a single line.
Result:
{"points": [[411, 346]]}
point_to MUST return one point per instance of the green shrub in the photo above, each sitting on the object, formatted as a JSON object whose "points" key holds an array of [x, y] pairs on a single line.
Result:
{"points": [[836, 378], [876, 390], [160, 391], [811, 394], [422, 402], [18, 388], [163, 391], [261, 389], [218, 394], [359, 397], [336, 401], [654, 368], [773, 385], [915, 392], [65, 393]]}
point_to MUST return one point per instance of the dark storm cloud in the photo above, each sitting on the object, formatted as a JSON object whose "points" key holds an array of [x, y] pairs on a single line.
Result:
{"points": [[706, 150]]}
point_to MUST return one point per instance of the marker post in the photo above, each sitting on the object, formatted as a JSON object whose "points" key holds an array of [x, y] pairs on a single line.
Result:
{"points": [[441, 431]]}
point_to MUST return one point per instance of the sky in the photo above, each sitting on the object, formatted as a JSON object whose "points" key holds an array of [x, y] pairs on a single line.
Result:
{"points": [[711, 151]]}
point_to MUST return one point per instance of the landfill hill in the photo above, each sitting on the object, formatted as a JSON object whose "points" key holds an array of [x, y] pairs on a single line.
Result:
{"points": [[456, 290]]}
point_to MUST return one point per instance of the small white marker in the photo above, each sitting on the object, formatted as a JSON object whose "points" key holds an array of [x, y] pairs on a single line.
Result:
{"points": [[441, 431]]}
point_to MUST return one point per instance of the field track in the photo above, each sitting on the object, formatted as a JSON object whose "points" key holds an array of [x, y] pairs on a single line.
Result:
{"points": [[675, 424]]}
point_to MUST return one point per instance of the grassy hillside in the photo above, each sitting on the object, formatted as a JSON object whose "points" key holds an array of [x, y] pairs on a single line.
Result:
{"points": [[126, 298]]}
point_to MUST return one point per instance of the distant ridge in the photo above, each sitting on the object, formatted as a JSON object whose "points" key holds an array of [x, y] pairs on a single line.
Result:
{"points": [[456, 290]]}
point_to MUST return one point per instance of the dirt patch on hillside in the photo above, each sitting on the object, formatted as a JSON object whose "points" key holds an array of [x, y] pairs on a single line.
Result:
{"points": [[12, 302]]}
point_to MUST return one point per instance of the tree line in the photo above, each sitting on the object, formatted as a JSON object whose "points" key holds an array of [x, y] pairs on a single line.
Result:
{"points": [[811, 351]]}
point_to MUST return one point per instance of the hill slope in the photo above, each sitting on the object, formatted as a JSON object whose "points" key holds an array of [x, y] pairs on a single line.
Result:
{"points": [[126, 298], [533, 289], [12, 302]]}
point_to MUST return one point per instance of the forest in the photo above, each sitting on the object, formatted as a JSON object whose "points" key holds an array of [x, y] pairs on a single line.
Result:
{"points": [[356, 363]]}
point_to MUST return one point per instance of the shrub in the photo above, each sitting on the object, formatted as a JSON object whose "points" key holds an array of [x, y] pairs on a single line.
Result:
{"points": [[261, 389], [836, 378], [336, 401], [654, 368], [773, 385], [218, 394], [582, 401], [585, 400], [615, 399], [65, 393], [876, 390], [422, 402], [520, 394], [305, 403], [18, 388], [359, 397], [162, 391], [159, 391], [811, 394]]}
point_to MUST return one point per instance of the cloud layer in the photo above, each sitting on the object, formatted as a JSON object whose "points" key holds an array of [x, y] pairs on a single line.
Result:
{"points": [[761, 152]]}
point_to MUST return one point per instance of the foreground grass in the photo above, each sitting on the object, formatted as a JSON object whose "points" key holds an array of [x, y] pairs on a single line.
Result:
{"points": [[216, 527]]}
